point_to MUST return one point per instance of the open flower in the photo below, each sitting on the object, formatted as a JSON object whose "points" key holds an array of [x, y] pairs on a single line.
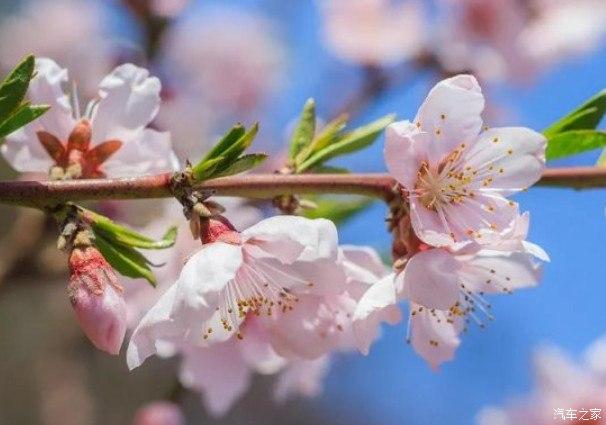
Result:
{"points": [[110, 139], [262, 271], [456, 175], [446, 288], [96, 297], [374, 32]]}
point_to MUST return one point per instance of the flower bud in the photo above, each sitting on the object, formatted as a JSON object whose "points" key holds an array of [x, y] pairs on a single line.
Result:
{"points": [[159, 413], [218, 229], [96, 297]]}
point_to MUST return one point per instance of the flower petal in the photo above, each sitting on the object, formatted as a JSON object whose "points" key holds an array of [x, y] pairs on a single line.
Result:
{"points": [[219, 373], [498, 271], [291, 238], [430, 279], [301, 378], [513, 158], [405, 149], [144, 151], [377, 305], [432, 336], [130, 100], [451, 114]]}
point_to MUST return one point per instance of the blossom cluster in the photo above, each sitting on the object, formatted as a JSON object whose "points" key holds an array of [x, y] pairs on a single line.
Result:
{"points": [[281, 295]]}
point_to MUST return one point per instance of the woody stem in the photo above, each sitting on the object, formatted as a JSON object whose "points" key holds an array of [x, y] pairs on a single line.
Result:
{"points": [[44, 194]]}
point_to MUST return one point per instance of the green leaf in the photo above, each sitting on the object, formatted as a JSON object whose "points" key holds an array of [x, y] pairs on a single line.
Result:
{"points": [[338, 211], [211, 167], [574, 142], [304, 132], [585, 117], [228, 139], [204, 170], [325, 137], [125, 260], [242, 164], [23, 115], [114, 232], [14, 86], [350, 142]]}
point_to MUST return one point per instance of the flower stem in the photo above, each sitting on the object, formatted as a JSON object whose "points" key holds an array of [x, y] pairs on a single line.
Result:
{"points": [[45, 194]]}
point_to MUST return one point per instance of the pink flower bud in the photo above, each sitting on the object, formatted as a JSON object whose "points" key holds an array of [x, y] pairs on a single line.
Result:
{"points": [[219, 229], [159, 413], [96, 297]]}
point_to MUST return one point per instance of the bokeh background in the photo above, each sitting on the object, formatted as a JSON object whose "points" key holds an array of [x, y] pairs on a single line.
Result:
{"points": [[222, 62]]}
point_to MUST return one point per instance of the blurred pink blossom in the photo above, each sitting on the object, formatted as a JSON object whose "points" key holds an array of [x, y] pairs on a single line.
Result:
{"points": [[70, 31], [110, 138], [168, 8], [230, 58], [561, 29], [159, 413], [374, 32], [561, 385]]}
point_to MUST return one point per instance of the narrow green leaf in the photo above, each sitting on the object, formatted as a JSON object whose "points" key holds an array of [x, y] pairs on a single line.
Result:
{"points": [[325, 137], [117, 233], [14, 86], [124, 260], [585, 117], [305, 129], [350, 142], [242, 164], [205, 169], [228, 139], [236, 149], [338, 211], [574, 142], [25, 114]]}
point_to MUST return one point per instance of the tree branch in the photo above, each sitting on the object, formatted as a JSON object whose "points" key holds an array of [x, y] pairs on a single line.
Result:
{"points": [[43, 194]]}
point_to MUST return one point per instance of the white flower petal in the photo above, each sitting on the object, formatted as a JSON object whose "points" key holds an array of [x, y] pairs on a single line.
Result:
{"points": [[432, 337], [219, 373], [430, 279], [145, 151], [377, 305], [405, 149], [451, 114], [130, 100], [301, 378]]}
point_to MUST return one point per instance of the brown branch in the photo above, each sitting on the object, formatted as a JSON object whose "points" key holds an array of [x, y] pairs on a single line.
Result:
{"points": [[42, 194]]}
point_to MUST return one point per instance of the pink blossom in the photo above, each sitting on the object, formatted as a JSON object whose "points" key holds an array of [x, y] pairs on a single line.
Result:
{"points": [[446, 288], [456, 174], [211, 54], [110, 139], [139, 295], [374, 32], [96, 297], [168, 8], [83, 44], [482, 36], [159, 413], [561, 383], [563, 28], [263, 271]]}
